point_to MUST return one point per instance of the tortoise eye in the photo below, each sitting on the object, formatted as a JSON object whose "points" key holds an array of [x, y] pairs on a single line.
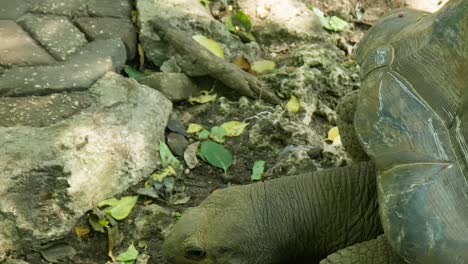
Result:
{"points": [[195, 253]]}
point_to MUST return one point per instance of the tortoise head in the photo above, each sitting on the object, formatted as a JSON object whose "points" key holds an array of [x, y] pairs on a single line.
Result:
{"points": [[220, 230]]}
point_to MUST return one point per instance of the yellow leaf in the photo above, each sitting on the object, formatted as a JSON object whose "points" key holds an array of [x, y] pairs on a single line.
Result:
{"points": [[210, 45], [204, 98], [293, 105], [141, 53], [337, 141], [263, 66], [234, 128], [166, 172], [333, 133], [82, 231], [194, 128]]}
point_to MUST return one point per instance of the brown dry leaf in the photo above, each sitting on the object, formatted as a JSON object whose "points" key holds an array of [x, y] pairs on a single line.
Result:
{"points": [[242, 63], [141, 53], [82, 231]]}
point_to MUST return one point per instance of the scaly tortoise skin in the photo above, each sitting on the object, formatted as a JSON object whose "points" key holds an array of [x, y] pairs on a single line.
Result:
{"points": [[410, 120]]}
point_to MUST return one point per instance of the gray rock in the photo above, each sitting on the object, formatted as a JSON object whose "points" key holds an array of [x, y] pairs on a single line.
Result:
{"points": [[61, 42], [78, 73], [58, 253], [175, 86], [109, 28], [109, 8], [177, 143], [18, 48], [51, 175], [60, 7], [15, 261], [272, 24], [13, 9], [192, 17]]}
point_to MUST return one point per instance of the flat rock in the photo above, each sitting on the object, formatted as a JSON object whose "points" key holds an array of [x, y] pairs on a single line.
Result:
{"points": [[19, 48], [108, 28], [79, 72], [61, 42], [52, 174], [175, 86], [271, 22], [13, 9]]}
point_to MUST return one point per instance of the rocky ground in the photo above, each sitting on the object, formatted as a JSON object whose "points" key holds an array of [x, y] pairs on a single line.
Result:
{"points": [[76, 128]]}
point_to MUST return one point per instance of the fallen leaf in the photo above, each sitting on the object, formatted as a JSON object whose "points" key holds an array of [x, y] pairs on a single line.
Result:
{"points": [[114, 238], [169, 170], [333, 23], [141, 53], [263, 66], [132, 73], [190, 155], [204, 134], [194, 128], [257, 170], [216, 154], [129, 255], [294, 104], [234, 128], [242, 63], [337, 24], [210, 45], [217, 134], [121, 209], [82, 231], [204, 98], [333, 133], [167, 158]]}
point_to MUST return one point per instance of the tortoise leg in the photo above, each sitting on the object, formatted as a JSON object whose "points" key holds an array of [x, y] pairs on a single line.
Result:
{"points": [[345, 111], [376, 251]]}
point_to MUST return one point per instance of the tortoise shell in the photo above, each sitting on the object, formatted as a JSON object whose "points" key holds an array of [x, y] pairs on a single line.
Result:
{"points": [[412, 121]]}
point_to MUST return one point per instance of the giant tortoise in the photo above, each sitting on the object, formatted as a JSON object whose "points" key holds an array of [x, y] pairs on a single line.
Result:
{"points": [[411, 120]]}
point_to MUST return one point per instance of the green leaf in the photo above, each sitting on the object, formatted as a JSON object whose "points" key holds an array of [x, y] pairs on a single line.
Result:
{"points": [[204, 134], [210, 45], [216, 155], [242, 20], [333, 23], [263, 66], [257, 170], [337, 24], [132, 72], [229, 25], [129, 255], [217, 134], [167, 158], [122, 208]]}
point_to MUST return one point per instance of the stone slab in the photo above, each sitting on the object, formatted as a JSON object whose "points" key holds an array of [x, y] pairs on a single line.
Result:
{"points": [[78, 73], [56, 33], [18, 48], [13, 9], [106, 27]]}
